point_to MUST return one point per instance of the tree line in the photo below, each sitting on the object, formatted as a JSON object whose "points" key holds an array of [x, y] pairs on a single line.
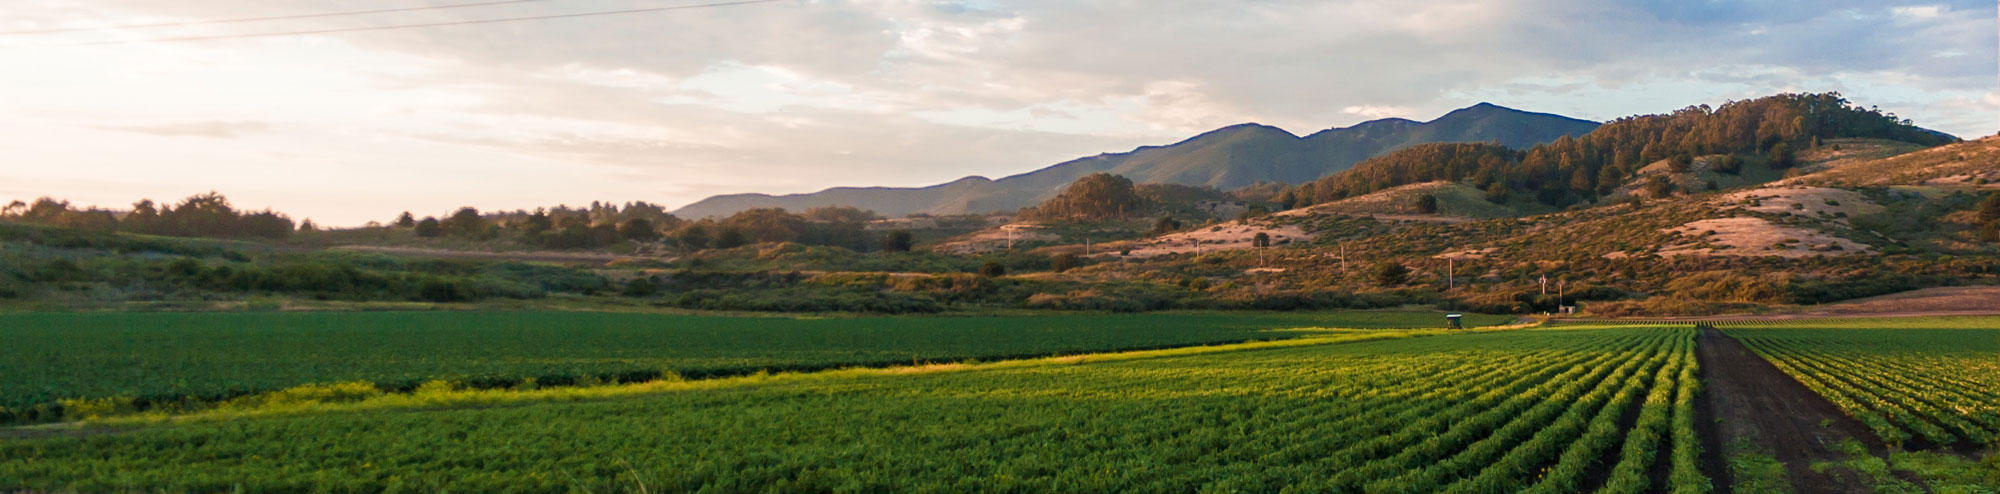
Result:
{"points": [[604, 224], [1572, 169], [201, 215]]}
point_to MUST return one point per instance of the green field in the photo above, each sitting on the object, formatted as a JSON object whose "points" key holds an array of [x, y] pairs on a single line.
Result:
{"points": [[1605, 410], [152, 360], [1922, 381]]}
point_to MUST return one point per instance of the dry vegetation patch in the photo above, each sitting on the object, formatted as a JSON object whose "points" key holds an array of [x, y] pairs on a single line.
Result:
{"points": [[1756, 237], [1456, 203], [1233, 235], [997, 238], [1964, 162], [1814, 202]]}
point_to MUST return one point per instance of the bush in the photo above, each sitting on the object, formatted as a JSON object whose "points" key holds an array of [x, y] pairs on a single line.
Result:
{"points": [[1427, 204], [429, 227], [896, 241], [436, 290], [1725, 286], [1391, 273], [991, 269], [1065, 262], [640, 287]]}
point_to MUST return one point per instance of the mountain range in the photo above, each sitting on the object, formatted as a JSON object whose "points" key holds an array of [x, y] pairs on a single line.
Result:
{"points": [[1226, 158]]}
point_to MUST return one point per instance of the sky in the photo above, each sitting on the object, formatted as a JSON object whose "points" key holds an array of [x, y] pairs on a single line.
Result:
{"points": [[795, 96]]}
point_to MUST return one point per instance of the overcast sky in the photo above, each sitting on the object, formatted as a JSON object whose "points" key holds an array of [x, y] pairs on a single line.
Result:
{"points": [[799, 95]]}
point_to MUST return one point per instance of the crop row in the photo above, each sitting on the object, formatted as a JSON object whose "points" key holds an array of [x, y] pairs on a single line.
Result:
{"points": [[1449, 413], [187, 360], [1934, 387]]}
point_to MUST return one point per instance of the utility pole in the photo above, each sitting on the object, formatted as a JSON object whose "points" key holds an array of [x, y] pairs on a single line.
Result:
{"points": [[1010, 237], [1559, 294], [1545, 284], [1450, 273], [1343, 257]]}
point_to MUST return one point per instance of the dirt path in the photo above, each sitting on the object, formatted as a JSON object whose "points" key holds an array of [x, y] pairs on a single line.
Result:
{"points": [[1750, 398]]}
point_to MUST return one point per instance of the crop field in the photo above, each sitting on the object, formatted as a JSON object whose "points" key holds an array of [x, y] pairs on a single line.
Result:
{"points": [[1605, 410], [112, 361], [1920, 383]]}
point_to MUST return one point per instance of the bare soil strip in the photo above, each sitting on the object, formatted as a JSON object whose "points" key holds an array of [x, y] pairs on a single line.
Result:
{"points": [[1753, 399]]}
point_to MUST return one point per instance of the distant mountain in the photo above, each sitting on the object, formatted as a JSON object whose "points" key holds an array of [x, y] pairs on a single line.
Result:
{"points": [[1225, 158]]}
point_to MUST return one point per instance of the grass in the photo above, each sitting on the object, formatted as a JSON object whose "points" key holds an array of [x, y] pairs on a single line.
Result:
{"points": [[1939, 472], [149, 360], [1754, 471], [1428, 413]]}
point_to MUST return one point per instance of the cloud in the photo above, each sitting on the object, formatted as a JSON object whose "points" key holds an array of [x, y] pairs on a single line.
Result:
{"points": [[797, 95], [213, 128], [1918, 12], [1376, 111]]}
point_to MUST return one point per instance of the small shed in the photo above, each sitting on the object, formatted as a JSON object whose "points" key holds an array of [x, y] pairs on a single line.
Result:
{"points": [[1452, 321]]}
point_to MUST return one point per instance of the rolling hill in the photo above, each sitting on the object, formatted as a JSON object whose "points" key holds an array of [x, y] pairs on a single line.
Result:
{"points": [[1226, 158]]}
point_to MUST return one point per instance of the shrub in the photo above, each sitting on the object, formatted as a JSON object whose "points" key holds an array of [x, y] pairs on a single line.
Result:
{"points": [[1391, 273], [640, 287], [1427, 204], [992, 269], [1065, 262]]}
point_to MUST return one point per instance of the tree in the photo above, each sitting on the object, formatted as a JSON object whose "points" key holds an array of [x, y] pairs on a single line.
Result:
{"points": [[1989, 210], [1261, 240], [1287, 198], [1659, 186], [1426, 204], [1781, 156], [991, 269], [764, 225], [640, 287], [144, 218], [268, 224], [1064, 262], [1391, 273], [406, 221], [429, 227], [729, 237], [693, 237], [206, 214], [465, 223], [308, 226], [537, 223], [1165, 225], [897, 241], [1681, 163], [1497, 193], [1581, 181], [1726, 164], [637, 229], [1096, 196]]}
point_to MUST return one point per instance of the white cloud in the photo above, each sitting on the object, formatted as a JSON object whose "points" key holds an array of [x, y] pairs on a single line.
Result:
{"points": [[1918, 12], [1376, 111]]}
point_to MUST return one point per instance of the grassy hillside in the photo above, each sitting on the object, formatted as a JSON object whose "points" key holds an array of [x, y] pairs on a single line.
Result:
{"points": [[1226, 158], [1454, 201]]}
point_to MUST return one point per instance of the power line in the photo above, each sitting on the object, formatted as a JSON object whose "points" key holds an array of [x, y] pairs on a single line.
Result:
{"points": [[413, 26], [270, 18]]}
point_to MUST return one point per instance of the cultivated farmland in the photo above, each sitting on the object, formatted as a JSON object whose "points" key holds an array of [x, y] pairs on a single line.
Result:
{"points": [[123, 361], [1607, 410], [1919, 382]]}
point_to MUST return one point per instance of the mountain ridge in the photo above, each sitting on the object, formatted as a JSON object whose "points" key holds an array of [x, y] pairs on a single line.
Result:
{"points": [[1227, 157]]}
